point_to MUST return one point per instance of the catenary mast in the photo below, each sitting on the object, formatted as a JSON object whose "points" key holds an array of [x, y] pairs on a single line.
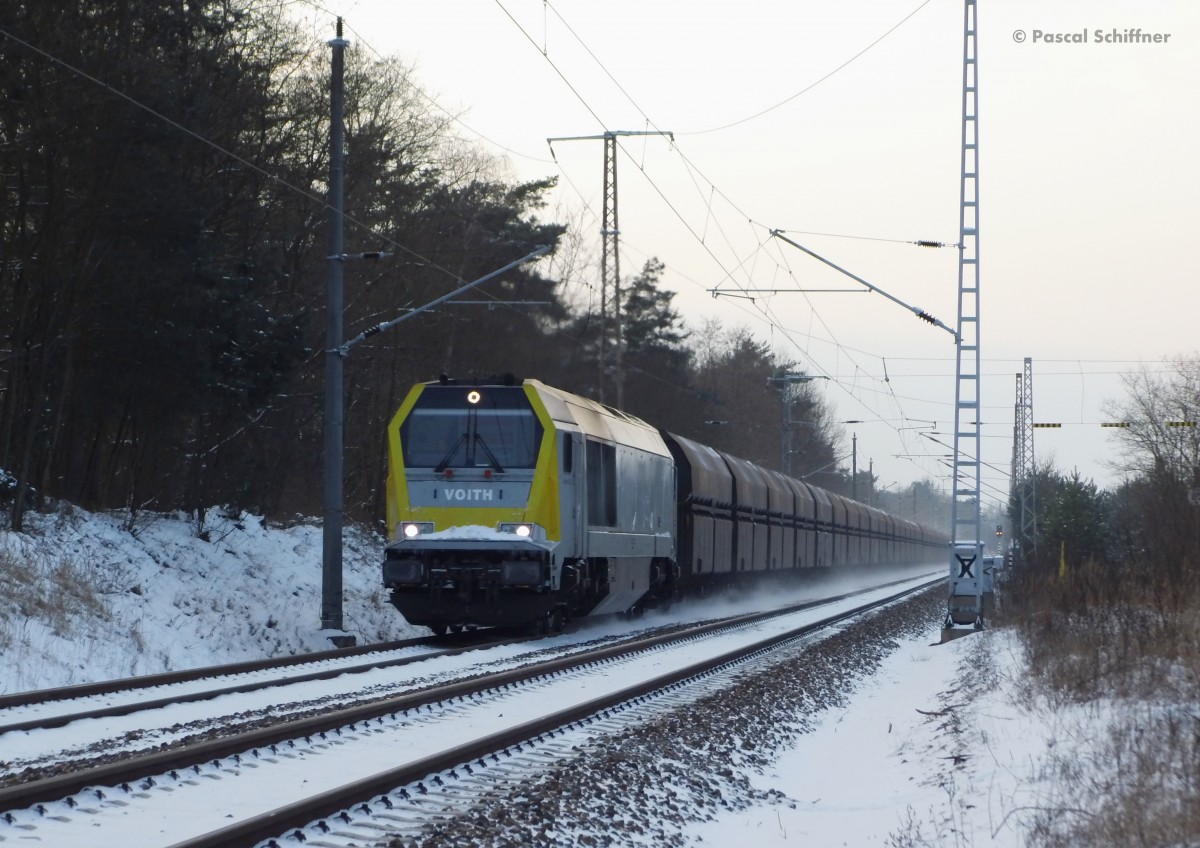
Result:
{"points": [[965, 603], [1024, 471], [610, 261]]}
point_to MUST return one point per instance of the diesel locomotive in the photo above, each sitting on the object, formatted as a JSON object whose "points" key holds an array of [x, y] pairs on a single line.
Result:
{"points": [[516, 503]]}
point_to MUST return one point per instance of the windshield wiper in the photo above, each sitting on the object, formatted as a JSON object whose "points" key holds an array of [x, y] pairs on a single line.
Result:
{"points": [[444, 464], [499, 469]]}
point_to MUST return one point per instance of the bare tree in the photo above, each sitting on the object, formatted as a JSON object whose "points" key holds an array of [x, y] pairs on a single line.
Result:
{"points": [[1160, 412]]}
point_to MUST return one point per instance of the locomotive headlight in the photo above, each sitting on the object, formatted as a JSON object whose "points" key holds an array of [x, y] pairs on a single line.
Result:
{"points": [[525, 530], [413, 529]]}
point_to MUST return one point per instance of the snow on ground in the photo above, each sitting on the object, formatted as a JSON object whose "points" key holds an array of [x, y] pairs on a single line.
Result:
{"points": [[932, 750], [88, 598], [937, 748]]}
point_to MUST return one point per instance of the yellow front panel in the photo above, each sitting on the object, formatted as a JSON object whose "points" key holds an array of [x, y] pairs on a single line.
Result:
{"points": [[542, 508]]}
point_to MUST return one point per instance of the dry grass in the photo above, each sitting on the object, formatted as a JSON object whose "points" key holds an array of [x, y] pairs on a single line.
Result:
{"points": [[55, 592], [1125, 642]]}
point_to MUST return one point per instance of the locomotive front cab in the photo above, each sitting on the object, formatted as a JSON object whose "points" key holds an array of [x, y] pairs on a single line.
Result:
{"points": [[472, 506]]}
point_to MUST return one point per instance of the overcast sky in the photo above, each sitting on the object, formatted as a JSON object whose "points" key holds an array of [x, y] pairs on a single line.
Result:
{"points": [[1088, 182]]}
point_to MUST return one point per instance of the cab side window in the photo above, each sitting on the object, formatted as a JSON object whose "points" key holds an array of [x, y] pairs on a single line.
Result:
{"points": [[602, 484]]}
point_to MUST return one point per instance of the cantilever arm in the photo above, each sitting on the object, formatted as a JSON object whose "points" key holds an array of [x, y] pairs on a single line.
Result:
{"points": [[387, 325], [916, 310]]}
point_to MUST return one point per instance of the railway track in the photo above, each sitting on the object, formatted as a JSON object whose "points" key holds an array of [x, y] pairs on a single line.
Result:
{"points": [[341, 765], [50, 708]]}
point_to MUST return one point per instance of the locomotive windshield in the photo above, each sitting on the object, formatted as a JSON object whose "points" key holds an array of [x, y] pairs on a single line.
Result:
{"points": [[463, 427]]}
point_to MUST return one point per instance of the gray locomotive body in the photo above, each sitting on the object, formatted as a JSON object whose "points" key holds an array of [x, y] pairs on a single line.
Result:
{"points": [[522, 504]]}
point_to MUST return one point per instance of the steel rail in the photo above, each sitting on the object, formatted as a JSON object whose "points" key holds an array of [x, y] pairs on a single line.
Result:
{"points": [[315, 809], [114, 710], [125, 772], [167, 678]]}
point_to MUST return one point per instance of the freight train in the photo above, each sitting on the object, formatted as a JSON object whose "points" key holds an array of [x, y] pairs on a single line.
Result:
{"points": [[518, 504]]}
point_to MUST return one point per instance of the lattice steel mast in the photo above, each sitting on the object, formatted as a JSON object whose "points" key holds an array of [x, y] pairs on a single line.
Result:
{"points": [[965, 604], [610, 271], [1014, 486], [610, 258], [1024, 477]]}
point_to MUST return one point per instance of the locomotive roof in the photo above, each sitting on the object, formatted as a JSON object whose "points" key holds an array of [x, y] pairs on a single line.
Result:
{"points": [[598, 419]]}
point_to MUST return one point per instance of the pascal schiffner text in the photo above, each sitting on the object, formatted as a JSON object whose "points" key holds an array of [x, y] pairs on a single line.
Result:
{"points": [[1100, 36]]}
